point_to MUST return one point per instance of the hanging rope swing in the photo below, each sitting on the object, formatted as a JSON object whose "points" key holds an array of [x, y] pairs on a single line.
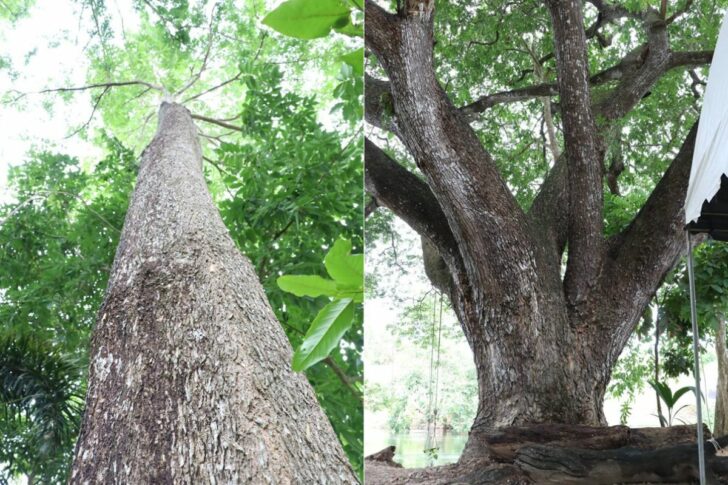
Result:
{"points": [[434, 378]]}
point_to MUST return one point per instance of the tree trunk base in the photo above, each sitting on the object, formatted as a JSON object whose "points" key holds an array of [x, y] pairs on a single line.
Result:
{"points": [[564, 454]]}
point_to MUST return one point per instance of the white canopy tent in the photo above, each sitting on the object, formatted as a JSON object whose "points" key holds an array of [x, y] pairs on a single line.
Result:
{"points": [[706, 203], [710, 157]]}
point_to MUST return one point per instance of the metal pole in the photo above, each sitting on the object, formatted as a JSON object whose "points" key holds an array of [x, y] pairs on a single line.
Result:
{"points": [[696, 350]]}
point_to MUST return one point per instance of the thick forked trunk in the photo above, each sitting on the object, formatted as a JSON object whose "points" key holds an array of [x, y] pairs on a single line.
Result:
{"points": [[544, 335], [190, 379], [535, 367]]}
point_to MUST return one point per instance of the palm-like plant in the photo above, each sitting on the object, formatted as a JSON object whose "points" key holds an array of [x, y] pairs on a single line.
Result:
{"points": [[41, 402], [670, 399]]}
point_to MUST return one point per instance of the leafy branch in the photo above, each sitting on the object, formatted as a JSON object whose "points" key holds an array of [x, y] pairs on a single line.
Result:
{"points": [[345, 288]]}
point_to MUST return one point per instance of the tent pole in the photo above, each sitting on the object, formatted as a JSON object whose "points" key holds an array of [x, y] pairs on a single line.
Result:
{"points": [[696, 350]]}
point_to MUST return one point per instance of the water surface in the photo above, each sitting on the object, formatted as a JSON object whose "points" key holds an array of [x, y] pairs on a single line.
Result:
{"points": [[410, 446]]}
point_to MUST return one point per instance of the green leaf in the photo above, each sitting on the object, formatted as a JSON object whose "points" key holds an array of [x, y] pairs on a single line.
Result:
{"points": [[307, 19], [356, 60], [307, 285], [345, 268], [680, 392], [323, 336], [350, 29], [359, 4]]}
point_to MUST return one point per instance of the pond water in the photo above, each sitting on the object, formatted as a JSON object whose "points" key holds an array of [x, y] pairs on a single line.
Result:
{"points": [[410, 446]]}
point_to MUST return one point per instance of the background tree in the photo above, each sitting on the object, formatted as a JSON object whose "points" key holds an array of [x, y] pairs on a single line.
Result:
{"points": [[711, 271], [504, 209], [243, 82]]}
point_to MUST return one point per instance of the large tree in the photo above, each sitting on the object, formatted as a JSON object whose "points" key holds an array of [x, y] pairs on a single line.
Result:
{"points": [[547, 294], [190, 373], [263, 152]]}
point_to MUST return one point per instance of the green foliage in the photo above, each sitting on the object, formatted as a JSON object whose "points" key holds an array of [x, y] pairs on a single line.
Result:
{"points": [[629, 375], [308, 285], [308, 19], [346, 269], [14, 10], [41, 400], [331, 323], [432, 453], [176, 17], [356, 60], [57, 243], [670, 399], [711, 286]]}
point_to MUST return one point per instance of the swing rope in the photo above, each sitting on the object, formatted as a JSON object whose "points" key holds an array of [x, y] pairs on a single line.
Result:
{"points": [[437, 376], [428, 438], [434, 378]]}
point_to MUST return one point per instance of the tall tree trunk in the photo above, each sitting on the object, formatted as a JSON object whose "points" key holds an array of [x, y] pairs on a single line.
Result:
{"points": [[534, 368], [190, 379], [721, 401]]}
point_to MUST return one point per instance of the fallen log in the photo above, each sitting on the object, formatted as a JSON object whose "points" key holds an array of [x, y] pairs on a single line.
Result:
{"points": [[503, 444], [676, 464], [564, 454]]}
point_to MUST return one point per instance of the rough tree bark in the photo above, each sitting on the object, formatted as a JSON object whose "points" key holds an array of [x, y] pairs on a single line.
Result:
{"points": [[560, 454], [190, 379], [720, 428], [544, 345]]}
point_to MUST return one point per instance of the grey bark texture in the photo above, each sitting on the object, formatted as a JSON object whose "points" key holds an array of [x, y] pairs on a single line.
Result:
{"points": [[720, 428], [544, 344], [190, 380]]}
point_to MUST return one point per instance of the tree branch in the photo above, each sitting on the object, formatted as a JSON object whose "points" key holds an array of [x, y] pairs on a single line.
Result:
{"points": [[381, 34], [232, 79], [549, 212], [217, 86], [93, 111], [520, 94], [690, 59], [370, 207], [480, 209], [378, 105], [581, 149], [217, 122], [348, 382], [203, 66], [394, 187], [650, 66], [639, 258], [91, 86], [378, 89]]}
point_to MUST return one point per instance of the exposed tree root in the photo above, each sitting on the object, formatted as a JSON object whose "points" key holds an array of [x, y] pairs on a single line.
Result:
{"points": [[563, 454]]}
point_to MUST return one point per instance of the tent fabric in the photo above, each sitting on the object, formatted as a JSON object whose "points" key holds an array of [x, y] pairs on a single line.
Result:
{"points": [[714, 215], [710, 157]]}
